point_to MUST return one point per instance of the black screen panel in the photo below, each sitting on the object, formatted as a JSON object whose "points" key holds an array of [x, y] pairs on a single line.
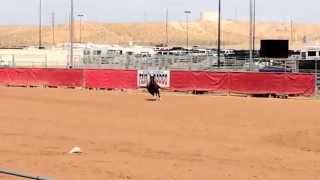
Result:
{"points": [[274, 48]]}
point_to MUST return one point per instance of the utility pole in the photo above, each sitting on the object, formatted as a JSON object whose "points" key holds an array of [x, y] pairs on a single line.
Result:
{"points": [[80, 38], [292, 33], [219, 33], [250, 38], [144, 16], [71, 34], [254, 27], [187, 25], [53, 28], [235, 14], [167, 26], [40, 24]]}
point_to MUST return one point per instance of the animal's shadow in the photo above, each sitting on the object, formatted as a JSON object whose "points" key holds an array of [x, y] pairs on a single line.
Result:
{"points": [[151, 99]]}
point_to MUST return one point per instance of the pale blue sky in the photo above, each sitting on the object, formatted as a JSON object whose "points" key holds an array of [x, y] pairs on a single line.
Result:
{"points": [[26, 11]]}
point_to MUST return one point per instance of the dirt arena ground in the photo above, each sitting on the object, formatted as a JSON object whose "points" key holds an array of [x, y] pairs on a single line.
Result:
{"points": [[125, 136]]}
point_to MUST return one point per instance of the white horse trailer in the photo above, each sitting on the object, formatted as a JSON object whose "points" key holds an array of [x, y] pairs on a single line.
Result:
{"points": [[310, 53]]}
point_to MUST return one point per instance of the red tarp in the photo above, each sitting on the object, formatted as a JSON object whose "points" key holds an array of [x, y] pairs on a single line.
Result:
{"points": [[21, 76], [117, 79], [63, 77], [257, 83], [38, 76], [126, 79], [197, 80], [303, 84], [244, 82], [272, 83]]}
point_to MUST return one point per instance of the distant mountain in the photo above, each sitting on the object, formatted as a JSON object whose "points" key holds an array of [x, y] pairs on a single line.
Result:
{"points": [[235, 34]]}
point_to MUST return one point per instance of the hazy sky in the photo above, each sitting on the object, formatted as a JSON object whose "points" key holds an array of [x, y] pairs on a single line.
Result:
{"points": [[26, 11]]}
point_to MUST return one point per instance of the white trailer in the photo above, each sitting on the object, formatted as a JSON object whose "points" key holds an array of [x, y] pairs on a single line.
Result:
{"points": [[310, 53]]}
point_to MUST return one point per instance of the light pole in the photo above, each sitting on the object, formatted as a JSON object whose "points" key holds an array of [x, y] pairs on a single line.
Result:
{"points": [[40, 24], [250, 38], [291, 30], [254, 27], [167, 27], [71, 34], [187, 25], [219, 33], [53, 28], [80, 17]]}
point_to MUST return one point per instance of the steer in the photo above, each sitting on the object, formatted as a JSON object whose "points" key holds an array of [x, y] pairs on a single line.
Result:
{"points": [[153, 87]]}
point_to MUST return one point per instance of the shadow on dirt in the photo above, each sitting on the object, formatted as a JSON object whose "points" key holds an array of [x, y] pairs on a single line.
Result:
{"points": [[151, 99]]}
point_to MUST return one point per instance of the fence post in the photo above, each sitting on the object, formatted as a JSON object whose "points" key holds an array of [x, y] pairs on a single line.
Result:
{"points": [[190, 62], [316, 66], [12, 173], [46, 61], [285, 65], [13, 61], [316, 74], [229, 82], [83, 83]]}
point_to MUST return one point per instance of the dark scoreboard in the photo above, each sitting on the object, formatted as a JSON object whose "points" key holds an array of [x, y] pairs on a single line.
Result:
{"points": [[274, 48]]}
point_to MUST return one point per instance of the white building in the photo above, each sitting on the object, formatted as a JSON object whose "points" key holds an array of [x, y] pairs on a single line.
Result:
{"points": [[34, 57], [59, 56], [103, 50], [311, 52], [209, 16]]}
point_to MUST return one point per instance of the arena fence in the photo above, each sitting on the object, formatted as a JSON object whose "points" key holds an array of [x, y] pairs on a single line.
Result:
{"points": [[244, 82], [156, 62], [177, 80], [22, 175]]}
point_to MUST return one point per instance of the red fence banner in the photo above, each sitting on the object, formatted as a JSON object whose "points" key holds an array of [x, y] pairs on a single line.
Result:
{"points": [[122, 79], [63, 77], [22, 77], [272, 83], [257, 83], [301, 84], [197, 80], [234, 82], [38, 76], [115, 79], [244, 82]]}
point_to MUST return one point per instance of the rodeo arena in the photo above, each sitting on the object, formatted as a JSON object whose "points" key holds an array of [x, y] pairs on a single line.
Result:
{"points": [[273, 70], [88, 111]]}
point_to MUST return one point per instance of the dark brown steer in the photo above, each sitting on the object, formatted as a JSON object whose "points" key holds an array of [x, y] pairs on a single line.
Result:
{"points": [[153, 87]]}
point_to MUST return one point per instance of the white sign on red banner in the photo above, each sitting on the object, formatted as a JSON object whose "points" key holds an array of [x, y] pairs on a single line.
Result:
{"points": [[161, 77]]}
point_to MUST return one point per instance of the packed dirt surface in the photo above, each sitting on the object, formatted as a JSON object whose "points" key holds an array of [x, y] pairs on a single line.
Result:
{"points": [[126, 135]]}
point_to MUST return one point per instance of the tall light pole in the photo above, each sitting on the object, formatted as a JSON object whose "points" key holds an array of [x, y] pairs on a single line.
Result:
{"points": [[254, 27], [53, 28], [80, 38], [40, 24], [292, 33], [250, 38], [187, 25], [167, 27], [219, 33], [71, 34]]}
